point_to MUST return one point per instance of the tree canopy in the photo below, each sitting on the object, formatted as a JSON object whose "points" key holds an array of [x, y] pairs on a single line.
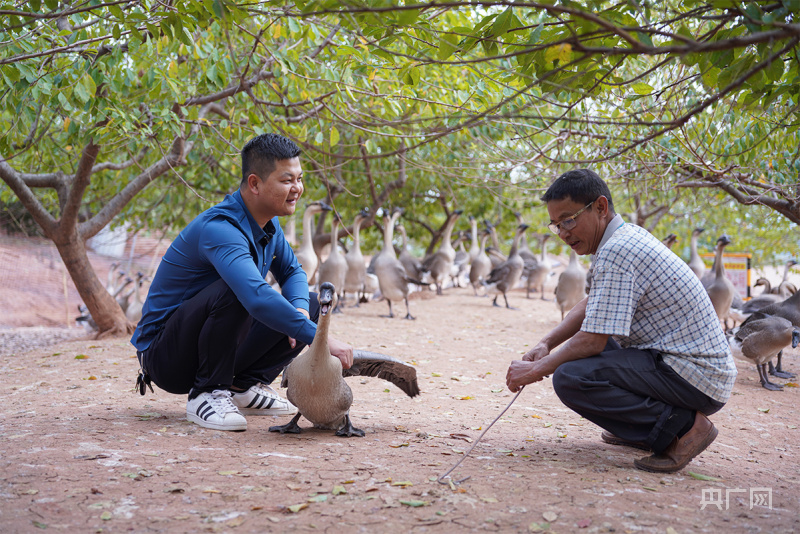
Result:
{"points": [[433, 106]]}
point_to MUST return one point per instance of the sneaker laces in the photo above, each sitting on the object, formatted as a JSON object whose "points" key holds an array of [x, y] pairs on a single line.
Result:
{"points": [[220, 400]]}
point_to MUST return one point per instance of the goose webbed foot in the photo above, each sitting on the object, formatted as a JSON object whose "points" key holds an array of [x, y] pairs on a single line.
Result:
{"points": [[391, 314], [289, 428], [348, 430], [765, 383], [775, 370]]}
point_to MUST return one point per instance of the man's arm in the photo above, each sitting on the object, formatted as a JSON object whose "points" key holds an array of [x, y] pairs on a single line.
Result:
{"points": [[558, 335], [540, 362]]}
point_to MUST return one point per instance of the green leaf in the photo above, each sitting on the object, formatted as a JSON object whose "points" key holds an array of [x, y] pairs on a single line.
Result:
{"points": [[407, 17], [414, 504], [411, 76], [502, 23], [642, 88], [447, 45], [334, 138], [699, 476], [319, 138]]}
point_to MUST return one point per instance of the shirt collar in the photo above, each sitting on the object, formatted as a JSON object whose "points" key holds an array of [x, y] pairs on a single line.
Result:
{"points": [[260, 235], [613, 225]]}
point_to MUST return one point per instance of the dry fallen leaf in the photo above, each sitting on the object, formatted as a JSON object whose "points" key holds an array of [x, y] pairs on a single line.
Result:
{"points": [[297, 507], [550, 516], [583, 523], [765, 410], [405, 483], [397, 446], [338, 490]]}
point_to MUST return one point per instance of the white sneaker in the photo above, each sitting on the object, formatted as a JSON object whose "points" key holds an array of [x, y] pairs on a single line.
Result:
{"points": [[215, 410], [261, 399]]}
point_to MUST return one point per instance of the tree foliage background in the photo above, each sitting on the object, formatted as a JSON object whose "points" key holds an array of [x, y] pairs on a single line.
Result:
{"points": [[136, 110]]}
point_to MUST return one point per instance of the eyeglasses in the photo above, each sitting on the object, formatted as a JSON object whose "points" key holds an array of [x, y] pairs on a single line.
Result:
{"points": [[570, 222]]}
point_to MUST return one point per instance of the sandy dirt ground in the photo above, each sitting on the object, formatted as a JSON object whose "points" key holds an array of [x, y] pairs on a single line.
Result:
{"points": [[83, 453]]}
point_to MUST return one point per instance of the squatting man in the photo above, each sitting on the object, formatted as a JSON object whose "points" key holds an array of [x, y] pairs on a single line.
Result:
{"points": [[643, 355], [211, 326]]}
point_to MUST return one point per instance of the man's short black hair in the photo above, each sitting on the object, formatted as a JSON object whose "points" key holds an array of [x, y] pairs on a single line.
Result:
{"points": [[260, 153], [581, 185]]}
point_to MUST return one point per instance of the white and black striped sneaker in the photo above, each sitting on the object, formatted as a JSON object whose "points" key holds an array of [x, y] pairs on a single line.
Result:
{"points": [[215, 410], [261, 399]]}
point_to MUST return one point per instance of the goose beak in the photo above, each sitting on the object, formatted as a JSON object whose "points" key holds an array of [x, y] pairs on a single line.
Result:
{"points": [[795, 338], [326, 295]]}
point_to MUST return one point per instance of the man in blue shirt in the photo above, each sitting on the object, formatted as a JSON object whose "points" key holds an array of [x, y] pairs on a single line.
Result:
{"points": [[211, 325]]}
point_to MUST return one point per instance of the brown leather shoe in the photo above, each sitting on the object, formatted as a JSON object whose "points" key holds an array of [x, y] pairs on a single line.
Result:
{"points": [[681, 451], [613, 439]]}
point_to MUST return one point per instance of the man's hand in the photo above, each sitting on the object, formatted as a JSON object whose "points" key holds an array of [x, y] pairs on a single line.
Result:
{"points": [[536, 353], [293, 341], [521, 373], [341, 350]]}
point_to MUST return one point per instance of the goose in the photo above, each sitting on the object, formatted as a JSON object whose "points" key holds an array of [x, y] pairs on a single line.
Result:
{"points": [[721, 290], [392, 278], [503, 278], [538, 272], [474, 242], [784, 288], [112, 281], [696, 263], [305, 252], [461, 261], [123, 299], [440, 263], [334, 268], [571, 287], [315, 379], [789, 309], [493, 251], [356, 269], [411, 264], [670, 240], [134, 310], [761, 338], [525, 252], [481, 265]]}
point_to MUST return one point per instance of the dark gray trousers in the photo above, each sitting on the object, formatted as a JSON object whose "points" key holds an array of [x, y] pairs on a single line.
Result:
{"points": [[631, 393], [211, 342]]}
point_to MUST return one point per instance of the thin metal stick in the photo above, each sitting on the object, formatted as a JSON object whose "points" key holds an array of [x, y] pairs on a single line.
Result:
{"points": [[439, 480]]}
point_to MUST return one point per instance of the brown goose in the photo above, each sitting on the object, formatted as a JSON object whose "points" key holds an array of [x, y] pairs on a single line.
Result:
{"points": [[334, 269], [356, 268], [571, 287], [760, 339], [789, 309], [305, 252], [696, 263], [315, 379], [539, 270], [481, 265], [411, 264], [670, 240], [440, 263], [721, 290], [502, 279], [392, 278]]}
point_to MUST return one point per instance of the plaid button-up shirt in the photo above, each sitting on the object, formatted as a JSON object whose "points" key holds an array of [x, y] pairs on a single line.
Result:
{"points": [[646, 297]]}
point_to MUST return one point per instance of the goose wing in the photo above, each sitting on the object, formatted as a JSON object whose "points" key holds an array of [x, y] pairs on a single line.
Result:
{"points": [[400, 374]]}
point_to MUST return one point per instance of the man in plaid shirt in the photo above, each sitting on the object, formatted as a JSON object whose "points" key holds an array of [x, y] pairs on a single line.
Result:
{"points": [[643, 355]]}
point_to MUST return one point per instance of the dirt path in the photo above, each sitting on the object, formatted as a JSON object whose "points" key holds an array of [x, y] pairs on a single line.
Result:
{"points": [[82, 453]]}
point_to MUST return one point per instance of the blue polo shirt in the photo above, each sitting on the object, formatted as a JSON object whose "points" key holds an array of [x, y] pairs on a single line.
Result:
{"points": [[226, 242]]}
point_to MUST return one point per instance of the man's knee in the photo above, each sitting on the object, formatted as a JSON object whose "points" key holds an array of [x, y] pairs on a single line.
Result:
{"points": [[566, 381]]}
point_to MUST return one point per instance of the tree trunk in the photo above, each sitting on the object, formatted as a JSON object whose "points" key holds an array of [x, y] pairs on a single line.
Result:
{"points": [[105, 310]]}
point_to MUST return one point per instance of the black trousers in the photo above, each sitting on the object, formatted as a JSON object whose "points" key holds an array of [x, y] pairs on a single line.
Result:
{"points": [[211, 342], [633, 394]]}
